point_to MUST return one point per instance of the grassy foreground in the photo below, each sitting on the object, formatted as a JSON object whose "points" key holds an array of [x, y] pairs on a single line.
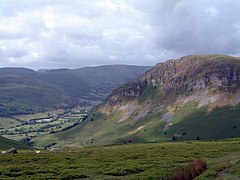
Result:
{"points": [[132, 161]]}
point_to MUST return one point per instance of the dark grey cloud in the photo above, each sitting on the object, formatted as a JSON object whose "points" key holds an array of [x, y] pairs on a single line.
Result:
{"points": [[76, 33]]}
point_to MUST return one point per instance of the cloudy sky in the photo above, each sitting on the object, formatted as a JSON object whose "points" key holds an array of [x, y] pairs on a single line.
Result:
{"points": [[76, 33]]}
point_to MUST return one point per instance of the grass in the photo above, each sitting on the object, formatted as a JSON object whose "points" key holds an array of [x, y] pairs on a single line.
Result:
{"points": [[105, 132], [24, 95], [7, 143], [132, 161], [196, 122], [149, 93], [20, 131], [188, 123], [38, 115], [191, 171], [6, 122]]}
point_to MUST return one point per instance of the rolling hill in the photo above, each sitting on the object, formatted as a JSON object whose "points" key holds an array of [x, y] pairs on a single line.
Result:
{"points": [[25, 91], [7, 143], [191, 98], [26, 95], [91, 84]]}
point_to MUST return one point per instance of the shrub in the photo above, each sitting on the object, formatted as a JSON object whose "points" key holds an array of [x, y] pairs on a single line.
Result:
{"points": [[191, 171]]}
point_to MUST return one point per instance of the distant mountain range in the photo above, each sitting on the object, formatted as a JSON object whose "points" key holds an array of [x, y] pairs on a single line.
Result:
{"points": [[191, 98], [24, 91]]}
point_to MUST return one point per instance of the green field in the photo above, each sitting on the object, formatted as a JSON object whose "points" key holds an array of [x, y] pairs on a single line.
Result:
{"points": [[38, 115], [26, 127], [8, 122], [8, 143], [132, 161]]}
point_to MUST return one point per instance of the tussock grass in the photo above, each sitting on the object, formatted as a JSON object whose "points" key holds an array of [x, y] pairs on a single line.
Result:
{"points": [[191, 171], [130, 161]]}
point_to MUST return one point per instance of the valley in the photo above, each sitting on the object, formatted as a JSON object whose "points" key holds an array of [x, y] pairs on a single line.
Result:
{"points": [[119, 89], [178, 100], [25, 91], [26, 127], [177, 120]]}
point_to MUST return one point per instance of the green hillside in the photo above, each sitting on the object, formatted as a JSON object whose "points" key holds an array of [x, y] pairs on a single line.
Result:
{"points": [[25, 91], [66, 81], [7, 144], [24, 95], [131, 161], [109, 73], [188, 124], [192, 98], [91, 83]]}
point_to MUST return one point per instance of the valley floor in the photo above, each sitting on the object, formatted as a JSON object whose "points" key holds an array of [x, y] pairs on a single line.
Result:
{"points": [[131, 161]]}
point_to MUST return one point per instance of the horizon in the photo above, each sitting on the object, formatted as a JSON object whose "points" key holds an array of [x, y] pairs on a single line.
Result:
{"points": [[64, 68], [100, 65]]}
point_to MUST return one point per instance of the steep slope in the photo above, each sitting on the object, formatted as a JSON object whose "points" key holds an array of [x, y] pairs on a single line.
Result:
{"points": [[7, 143], [194, 97]]}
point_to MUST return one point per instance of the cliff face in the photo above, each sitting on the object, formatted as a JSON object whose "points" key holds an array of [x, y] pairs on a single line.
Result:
{"points": [[188, 74]]}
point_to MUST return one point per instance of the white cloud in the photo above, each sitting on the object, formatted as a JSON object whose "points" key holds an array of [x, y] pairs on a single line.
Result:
{"points": [[75, 33], [212, 11]]}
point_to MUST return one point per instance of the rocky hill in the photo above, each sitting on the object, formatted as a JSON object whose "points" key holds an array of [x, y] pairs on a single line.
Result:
{"points": [[194, 97], [187, 75]]}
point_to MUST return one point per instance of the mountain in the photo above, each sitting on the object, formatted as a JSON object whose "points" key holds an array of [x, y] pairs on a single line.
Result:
{"points": [[91, 84], [7, 144], [25, 91], [191, 98], [24, 95], [18, 71]]}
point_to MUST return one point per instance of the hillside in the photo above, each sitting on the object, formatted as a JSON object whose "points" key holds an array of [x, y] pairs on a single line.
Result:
{"points": [[18, 71], [191, 98], [25, 91], [7, 144], [26, 95], [91, 84]]}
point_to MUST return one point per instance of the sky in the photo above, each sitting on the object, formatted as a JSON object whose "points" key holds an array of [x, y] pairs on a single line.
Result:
{"points": [[76, 33]]}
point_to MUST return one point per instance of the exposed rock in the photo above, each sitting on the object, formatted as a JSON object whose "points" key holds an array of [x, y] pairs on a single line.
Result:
{"points": [[194, 96], [167, 117], [12, 151], [187, 74], [53, 149]]}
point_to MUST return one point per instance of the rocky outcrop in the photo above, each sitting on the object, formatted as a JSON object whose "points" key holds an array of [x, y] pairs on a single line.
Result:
{"points": [[185, 75]]}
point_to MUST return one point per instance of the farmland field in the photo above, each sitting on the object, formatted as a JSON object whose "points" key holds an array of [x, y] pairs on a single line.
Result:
{"points": [[129, 161], [38, 115], [26, 127]]}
